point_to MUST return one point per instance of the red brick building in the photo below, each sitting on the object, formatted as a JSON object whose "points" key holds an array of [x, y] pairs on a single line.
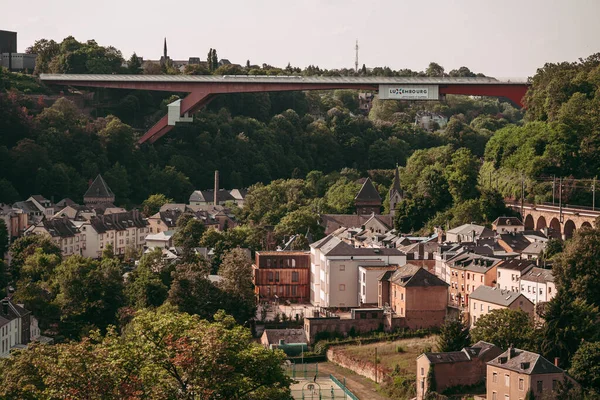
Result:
{"points": [[283, 275]]}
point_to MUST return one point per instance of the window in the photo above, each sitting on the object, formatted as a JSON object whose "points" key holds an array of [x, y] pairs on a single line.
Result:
{"points": [[295, 276], [481, 278], [270, 276], [363, 316], [489, 308], [549, 290], [276, 276], [540, 386], [364, 276], [506, 397], [342, 267], [294, 290], [498, 274], [342, 287], [481, 308], [401, 296], [474, 306], [554, 384], [506, 380], [521, 384], [494, 377], [364, 292], [422, 371], [494, 396], [374, 315]]}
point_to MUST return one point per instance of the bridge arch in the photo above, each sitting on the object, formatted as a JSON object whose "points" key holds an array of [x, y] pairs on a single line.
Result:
{"points": [[541, 223], [586, 225], [529, 223], [569, 229], [555, 227]]}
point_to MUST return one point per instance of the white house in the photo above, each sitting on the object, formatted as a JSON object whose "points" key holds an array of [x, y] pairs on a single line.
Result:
{"points": [[508, 225], [334, 270], [368, 283], [468, 233], [538, 285], [510, 272]]}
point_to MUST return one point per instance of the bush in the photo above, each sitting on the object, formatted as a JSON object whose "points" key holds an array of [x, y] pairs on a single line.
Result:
{"points": [[400, 349]]}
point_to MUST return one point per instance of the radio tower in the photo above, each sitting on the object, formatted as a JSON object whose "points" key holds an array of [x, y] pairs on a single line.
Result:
{"points": [[356, 59]]}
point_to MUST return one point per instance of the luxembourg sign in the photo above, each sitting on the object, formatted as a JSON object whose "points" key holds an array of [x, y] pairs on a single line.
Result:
{"points": [[408, 92]]}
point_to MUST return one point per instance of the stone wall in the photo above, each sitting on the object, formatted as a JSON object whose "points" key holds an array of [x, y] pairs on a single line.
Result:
{"points": [[312, 326], [361, 367]]}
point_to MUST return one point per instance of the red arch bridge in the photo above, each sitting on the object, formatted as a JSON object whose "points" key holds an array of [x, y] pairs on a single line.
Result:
{"points": [[562, 221], [202, 89]]}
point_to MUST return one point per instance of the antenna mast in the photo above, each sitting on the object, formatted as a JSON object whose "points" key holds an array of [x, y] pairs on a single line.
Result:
{"points": [[356, 59]]}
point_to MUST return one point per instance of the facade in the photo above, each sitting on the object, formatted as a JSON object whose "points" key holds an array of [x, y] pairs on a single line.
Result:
{"points": [[510, 272], [15, 325], [272, 338], [64, 233], [368, 283], [283, 275], [121, 230], [430, 120], [15, 220], [44, 205], [507, 225], [415, 294], [368, 200], [373, 223], [334, 267], [486, 299], [538, 285], [98, 193], [18, 61], [163, 240], [468, 271], [456, 368], [516, 372]]}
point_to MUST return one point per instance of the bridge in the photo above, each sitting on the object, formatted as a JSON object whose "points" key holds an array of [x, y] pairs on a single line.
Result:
{"points": [[202, 89], [563, 221]]}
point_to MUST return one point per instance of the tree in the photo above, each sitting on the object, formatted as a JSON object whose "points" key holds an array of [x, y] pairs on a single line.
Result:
{"points": [[505, 328], [26, 246], [145, 287], [236, 271], [454, 336], [89, 294], [134, 64], [340, 196], [188, 234], [585, 366], [3, 238], [152, 204], [462, 174], [300, 221], [434, 69], [193, 293]]}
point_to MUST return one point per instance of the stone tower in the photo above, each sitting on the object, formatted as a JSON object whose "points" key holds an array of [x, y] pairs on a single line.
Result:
{"points": [[368, 200]]}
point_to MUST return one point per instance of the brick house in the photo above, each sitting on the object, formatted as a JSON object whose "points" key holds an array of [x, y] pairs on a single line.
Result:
{"points": [[485, 299], [468, 271], [466, 367], [516, 372], [282, 274], [415, 294]]}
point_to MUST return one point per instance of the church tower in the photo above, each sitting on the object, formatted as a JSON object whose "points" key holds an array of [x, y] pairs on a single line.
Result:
{"points": [[164, 60], [396, 194], [165, 49]]}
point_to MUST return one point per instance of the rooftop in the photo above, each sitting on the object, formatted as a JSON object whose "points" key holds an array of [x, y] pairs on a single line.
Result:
{"points": [[283, 253], [517, 265], [99, 189], [512, 221], [368, 192], [540, 275], [496, 296], [288, 335], [524, 362]]}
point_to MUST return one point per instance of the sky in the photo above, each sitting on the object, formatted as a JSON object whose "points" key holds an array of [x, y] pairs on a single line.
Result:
{"points": [[507, 38]]}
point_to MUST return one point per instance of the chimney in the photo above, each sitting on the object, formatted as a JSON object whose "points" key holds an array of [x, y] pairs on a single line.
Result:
{"points": [[556, 361], [216, 197], [510, 352]]}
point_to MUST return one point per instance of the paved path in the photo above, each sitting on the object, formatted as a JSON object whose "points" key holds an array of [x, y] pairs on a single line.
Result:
{"points": [[363, 388]]}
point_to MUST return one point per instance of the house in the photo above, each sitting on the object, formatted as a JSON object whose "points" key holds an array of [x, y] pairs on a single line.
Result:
{"points": [[534, 251], [218, 217], [430, 120], [76, 212], [515, 373], [538, 285], [514, 243], [421, 254], [15, 325], [415, 294], [468, 271], [98, 193], [504, 225], [34, 214], [334, 270], [121, 230], [291, 341], [15, 220], [455, 368], [283, 275], [468, 233], [44, 205], [485, 299], [373, 222], [509, 274], [164, 221], [64, 233], [368, 200], [396, 193], [162, 240]]}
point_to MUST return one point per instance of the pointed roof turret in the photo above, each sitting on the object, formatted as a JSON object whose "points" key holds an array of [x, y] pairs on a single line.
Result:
{"points": [[165, 49], [368, 192], [98, 192], [396, 184]]}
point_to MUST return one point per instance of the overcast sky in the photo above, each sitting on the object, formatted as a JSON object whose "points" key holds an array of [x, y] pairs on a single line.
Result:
{"points": [[507, 38]]}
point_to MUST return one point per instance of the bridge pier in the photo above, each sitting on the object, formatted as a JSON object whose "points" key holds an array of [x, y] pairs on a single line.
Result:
{"points": [[562, 223]]}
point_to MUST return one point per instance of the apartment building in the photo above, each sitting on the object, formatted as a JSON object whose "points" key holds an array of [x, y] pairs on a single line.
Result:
{"points": [[538, 285], [468, 271], [283, 275], [486, 299], [121, 230], [510, 272]]}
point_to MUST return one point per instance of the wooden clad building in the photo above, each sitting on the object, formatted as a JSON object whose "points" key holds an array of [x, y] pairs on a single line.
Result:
{"points": [[283, 275]]}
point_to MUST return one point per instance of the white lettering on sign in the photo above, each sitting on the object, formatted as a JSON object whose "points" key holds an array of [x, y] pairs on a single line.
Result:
{"points": [[408, 93]]}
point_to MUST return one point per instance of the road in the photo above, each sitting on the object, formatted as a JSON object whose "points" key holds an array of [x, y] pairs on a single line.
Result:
{"points": [[363, 388]]}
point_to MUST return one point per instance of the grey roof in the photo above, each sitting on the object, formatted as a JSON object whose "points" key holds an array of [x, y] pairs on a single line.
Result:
{"points": [[396, 183], [99, 189], [60, 227], [331, 222], [410, 275], [535, 248], [118, 221], [473, 262], [540, 275], [368, 192], [368, 80], [496, 296], [517, 265], [524, 362], [337, 247], [482, 350], [467, 229], [288, 335], [209, 196], [447, 357], [504, 221], [517, 242]]}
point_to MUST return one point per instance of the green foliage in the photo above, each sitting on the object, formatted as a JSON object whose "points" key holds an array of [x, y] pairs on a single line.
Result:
{"points": [[339, 199], [431, 382], [462, 174], [152, 204], [188, 234], [26, 246], [454, 336], [236, 271], [505, 327], [3, 238], [585, 366]]}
